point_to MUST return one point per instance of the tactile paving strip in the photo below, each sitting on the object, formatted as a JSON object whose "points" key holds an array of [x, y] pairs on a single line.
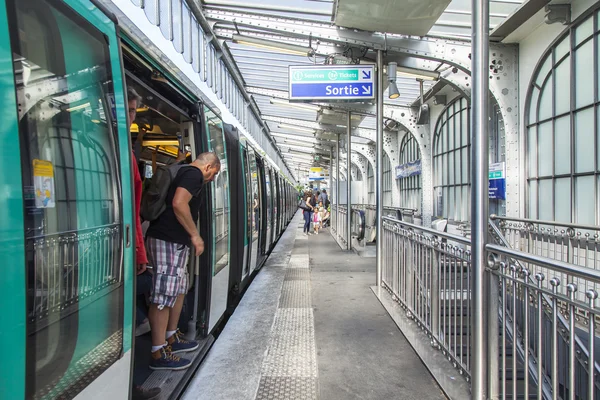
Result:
{"points": [[297, 274], [292, 345], [289, 370], [298, 261], [295, 294], [289, 388]]}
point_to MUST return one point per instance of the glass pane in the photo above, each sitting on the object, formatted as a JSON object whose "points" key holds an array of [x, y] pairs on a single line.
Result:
{"points": [[562, 145], [464, 115], [177, 23], [165, 19], [584, 75], [562, 48], [562, 83], [545, 101], [195, 46], [187, 35], [533, 105], [545, 161], [151, 12], [453, 212], [545, 206], [220, 193], [562, 200], [584, 141], [72, 211], [531, 151], [533, 200], [451, 168], [543, 72], [464, 165], [584, 30], [585, 200]]}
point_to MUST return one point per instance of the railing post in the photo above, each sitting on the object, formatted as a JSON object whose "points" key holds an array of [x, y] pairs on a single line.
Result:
{"points": [[435, 289], [479, 189], [493, 336]]}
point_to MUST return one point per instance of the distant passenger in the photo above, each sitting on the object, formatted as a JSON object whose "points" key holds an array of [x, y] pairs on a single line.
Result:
{"points": [[323, 198], [255, 209], [316, 218], [168, 240], [143, 277], [308, 213]]}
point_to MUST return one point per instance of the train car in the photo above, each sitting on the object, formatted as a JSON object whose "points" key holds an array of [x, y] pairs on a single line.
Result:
{"points": [[67, 207]]}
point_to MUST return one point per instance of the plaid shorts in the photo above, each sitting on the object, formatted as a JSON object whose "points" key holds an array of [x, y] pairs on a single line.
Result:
{"points": [[170, 277]]}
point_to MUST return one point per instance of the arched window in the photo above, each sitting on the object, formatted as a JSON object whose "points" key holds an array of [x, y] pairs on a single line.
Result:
{"points": [[562, 116], [387, 181], [410, 186], [451, 162], [370, 184]]}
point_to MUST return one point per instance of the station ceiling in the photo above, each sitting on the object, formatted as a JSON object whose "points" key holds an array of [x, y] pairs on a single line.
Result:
{"points": [[264, 70]]}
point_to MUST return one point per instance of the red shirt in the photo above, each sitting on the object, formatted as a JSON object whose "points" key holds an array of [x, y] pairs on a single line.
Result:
{"points": [[140, 248]]}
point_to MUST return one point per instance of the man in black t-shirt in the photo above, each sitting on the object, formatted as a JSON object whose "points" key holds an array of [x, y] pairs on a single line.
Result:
{"points": [[168, 242]]}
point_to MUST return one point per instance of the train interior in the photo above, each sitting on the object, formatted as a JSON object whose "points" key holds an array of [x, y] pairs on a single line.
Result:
{"points": [[165, 132]]}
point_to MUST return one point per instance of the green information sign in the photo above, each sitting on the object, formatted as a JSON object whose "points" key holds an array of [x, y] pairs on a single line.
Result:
{"points": [[324, 75]]}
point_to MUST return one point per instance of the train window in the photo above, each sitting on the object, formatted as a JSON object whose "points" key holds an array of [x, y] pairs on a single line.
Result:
{"points": [[256, 207], [220, 193], [71, 190], [563, 109], [410, 186]]}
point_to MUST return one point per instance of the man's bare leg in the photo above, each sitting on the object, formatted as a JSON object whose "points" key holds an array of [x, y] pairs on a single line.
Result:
{"points": [[158, 323], [175, 314]]}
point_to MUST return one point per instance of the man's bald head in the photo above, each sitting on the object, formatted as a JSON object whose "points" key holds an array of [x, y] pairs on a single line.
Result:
{"points": [[209, 158], [209, 164]]}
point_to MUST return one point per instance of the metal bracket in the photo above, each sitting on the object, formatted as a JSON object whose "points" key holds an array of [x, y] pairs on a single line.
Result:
{"points": [[560, 13]]}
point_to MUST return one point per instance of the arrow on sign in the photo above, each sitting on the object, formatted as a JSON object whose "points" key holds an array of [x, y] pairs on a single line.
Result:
{"points": [[366, 90], [366, 75]]}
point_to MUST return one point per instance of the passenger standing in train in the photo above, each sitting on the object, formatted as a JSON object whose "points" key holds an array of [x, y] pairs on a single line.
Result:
{"points": [[168, 240], [134, 102]]}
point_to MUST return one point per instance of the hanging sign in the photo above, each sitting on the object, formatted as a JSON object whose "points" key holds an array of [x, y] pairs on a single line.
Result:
{"points": [[332, 82], [408, 169], [317, 174], [497, 181], [43, 182]]}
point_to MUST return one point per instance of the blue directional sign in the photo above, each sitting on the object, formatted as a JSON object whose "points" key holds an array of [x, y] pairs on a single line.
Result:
{"points": [[332, 82]]}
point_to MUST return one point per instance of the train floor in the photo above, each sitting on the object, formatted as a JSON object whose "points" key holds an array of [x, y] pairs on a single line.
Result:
{"points": [[310, 327]]}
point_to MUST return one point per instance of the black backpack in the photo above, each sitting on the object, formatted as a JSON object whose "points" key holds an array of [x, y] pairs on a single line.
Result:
{"points": [[302, 205], [155, 197]]}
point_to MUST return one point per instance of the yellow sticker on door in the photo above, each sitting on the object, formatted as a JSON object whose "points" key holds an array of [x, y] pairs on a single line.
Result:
{"points": [[43, 181]]}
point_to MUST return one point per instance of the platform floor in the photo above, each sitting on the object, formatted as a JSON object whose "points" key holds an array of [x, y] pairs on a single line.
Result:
{"points": [[310, 327]]}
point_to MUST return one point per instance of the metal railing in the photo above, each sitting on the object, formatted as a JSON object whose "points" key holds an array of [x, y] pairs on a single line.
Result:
{"points": [[428, 273], [574, 244], [548, 350], [541, 324], [339, 222], [71, 266]]}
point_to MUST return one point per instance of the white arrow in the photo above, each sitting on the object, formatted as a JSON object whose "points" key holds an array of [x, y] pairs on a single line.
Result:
{"points": [[366, 90]]}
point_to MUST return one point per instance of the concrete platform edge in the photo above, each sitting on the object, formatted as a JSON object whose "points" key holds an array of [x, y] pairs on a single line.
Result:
{"points": [[454, 385]]}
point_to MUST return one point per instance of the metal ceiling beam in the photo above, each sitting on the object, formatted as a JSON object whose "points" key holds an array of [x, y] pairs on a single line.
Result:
{"points": [[451, 52], [215, 5]]}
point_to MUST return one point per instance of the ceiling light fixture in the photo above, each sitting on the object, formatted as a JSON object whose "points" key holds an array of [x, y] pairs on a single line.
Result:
{"points": [[306, 139], [418, 73], [296, 128], [304, 106], [272, 45], [393, 92]]}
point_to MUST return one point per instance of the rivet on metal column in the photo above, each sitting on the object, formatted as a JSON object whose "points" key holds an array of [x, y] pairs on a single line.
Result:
{"points": [[479, 191], [379, 168]]}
